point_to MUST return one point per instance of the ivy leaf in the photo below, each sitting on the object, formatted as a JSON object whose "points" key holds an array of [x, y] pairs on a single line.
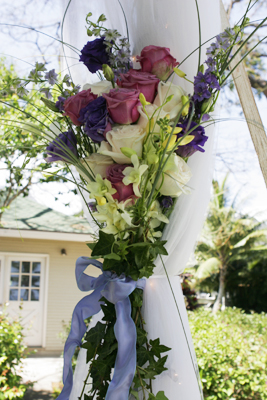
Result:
{"points": [[158, 348], [146, 271], [104, 244], [91, 245], [86, 397], [159, 248], [112, 256], [135, 394], [141, 336], [159, 396], [90, 350], [142, 356], [95, 334], [50, 104]]}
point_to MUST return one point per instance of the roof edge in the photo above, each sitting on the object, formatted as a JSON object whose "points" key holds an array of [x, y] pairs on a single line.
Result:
{"points": [[46, 235]]}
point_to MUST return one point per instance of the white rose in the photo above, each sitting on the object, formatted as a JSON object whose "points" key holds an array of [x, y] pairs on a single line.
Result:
{"points": [[96, 163], [176, 175], [175, 105], [131, 136], [150, 109], [99, 87]]}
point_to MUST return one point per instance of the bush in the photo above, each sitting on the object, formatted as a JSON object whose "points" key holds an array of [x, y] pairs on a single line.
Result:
{"points": [[11, 353], [231, 349]]}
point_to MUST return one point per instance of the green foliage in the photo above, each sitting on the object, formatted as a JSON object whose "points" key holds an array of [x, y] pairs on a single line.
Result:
{"points": [[228, 240], [231, 349], [23, 121], [134, 259], [11, 354], [101, 346]]}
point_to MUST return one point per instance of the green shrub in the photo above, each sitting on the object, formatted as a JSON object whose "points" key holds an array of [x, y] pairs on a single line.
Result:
{"points": [[231, 349], [11, 353]]}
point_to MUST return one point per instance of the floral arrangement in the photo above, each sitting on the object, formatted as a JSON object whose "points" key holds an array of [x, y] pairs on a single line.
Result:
{"points": [[129, 136]]}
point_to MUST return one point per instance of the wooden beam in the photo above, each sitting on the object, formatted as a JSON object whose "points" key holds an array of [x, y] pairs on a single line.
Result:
{"points": [[247, 100]]}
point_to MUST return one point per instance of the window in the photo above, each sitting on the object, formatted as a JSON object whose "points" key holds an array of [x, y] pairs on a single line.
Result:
{"points": [[25, 281]]}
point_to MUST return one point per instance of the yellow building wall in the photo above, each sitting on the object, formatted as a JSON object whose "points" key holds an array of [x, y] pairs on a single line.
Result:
{"points": [[63, 293]]}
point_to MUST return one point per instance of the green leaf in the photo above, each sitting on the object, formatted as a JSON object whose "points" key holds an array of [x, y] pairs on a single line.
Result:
{"points": [[90, 350], [91, 245], [158, 348], [96, 334], [141, 336], [86, 397], [207, 268], [50, 104], [161, 396], [142, 356], [135, 394], [104, 244], [112, 256]]}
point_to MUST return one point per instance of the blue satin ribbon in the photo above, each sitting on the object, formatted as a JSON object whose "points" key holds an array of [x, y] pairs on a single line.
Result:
{"points": [[116, 290]]}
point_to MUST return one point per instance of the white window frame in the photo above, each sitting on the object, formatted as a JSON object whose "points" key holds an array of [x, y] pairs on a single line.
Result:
{"points": [[4, 256]]}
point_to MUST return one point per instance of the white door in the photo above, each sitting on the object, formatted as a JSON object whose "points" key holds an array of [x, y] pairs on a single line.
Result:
{"points": [[25, 294]]}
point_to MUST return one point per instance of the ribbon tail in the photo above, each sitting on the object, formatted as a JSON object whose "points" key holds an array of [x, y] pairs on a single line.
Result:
{"points": [[125, 365], [87, 307]]}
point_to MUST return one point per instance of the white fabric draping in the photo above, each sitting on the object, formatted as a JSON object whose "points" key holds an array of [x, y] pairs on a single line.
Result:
{"points": [[173, 24]]}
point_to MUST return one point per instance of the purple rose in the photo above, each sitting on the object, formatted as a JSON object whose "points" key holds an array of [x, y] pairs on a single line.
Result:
{"points": [[62, 145], [94, 55], [145, 82], [122, 105], [199, 140], [95, 117], [115, 176]]}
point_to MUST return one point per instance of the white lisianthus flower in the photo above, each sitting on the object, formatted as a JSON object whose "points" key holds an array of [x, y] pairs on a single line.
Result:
{"points": [[133, 174], [100, 187], [156, 215], [175, 105], [131, 136], [95, 163], [150, 109], [99, 87], [176, 175]]}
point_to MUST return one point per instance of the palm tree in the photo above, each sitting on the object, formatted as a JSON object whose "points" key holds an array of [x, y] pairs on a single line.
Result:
{"points": [[227, 236]]}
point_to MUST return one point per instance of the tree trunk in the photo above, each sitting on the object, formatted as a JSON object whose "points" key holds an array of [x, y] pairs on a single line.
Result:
{"points": [[218, 302]]}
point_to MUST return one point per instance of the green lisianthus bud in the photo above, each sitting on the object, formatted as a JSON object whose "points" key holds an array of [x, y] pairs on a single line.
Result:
{"points": [[201, 68], [143, 100], [186, 103], [127, 151], [206, 105], [179, 72], [108, 73]]}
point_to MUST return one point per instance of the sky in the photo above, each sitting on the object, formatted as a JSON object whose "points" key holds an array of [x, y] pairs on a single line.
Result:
{"points": [[233, 142]]}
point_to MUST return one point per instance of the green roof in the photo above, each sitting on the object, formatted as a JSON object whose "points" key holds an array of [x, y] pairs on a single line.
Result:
{"points": [[26, 214]]}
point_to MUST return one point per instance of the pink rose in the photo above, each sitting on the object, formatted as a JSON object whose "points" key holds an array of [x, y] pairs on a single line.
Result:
{"points": [[74, 104], [145, 82], [115, 176], [122, 105], [157, 60]]}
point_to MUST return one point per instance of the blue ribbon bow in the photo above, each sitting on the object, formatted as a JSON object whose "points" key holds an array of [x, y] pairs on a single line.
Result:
{"points": [[116, 290]]}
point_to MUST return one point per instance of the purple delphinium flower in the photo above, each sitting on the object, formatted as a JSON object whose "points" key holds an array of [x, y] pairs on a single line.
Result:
{"points": [[166, 202], [92, 207], [213, 82], [60, 103], [94, 55], [95, 118], [46, 92], [210, 63], [199, 139], [51, 76], [201, 92], [58, 150]]}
